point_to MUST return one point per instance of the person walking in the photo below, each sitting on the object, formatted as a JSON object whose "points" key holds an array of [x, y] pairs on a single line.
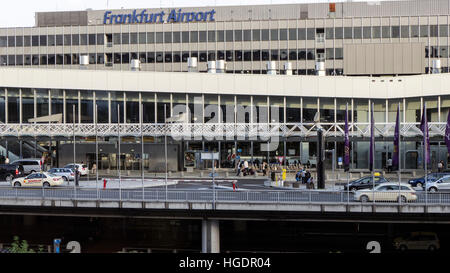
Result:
{"points": [[310, 183], [77, 176], [238, 168], [389, 165], [440, 166], [21, 171], [246, 166]]}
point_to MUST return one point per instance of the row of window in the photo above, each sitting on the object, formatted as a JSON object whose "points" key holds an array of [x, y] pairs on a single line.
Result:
{"points": [[203, 56], [174, 57], [232, 108], [237, 35]]}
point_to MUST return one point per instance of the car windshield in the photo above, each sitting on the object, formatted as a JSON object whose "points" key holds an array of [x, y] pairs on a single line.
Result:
{"points": [[51, 175]]}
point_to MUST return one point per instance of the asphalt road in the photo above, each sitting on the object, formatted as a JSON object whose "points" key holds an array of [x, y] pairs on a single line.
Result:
{"points": [[203, 193]]}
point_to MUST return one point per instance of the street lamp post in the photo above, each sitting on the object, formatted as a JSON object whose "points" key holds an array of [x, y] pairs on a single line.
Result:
{"points": [[165, 143]]}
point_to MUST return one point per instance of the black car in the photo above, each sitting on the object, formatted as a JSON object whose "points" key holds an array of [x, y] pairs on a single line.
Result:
{"points": [[8, 172], [365, 183]]}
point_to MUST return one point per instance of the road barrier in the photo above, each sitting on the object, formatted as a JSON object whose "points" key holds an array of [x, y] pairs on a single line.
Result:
{"points": [[226, 195]]}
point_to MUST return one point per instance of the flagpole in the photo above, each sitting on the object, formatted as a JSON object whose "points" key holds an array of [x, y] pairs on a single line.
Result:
{"points": [[118, 134], [142, 150], [347, 144], [372, 138], [425, 150], [96, 149], [399, 153], [165, 144]]}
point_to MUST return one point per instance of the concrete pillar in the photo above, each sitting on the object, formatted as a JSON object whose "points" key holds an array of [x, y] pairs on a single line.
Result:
{"points": [[210, 236], [29, 220]]}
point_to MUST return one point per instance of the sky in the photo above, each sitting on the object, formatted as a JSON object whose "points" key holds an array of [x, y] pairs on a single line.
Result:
{"points": [[20, 13]]}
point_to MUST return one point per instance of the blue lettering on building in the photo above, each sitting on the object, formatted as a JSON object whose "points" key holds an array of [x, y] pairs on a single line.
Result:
{"points": [[143, 17]]}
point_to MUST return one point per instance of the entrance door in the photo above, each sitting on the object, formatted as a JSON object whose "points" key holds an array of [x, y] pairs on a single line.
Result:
{"points": [[411, 158]]}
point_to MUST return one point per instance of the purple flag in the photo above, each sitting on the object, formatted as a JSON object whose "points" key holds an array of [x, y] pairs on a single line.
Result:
{"points": [[372, 140], [447, 133], [426, 136], [347, 143], [395, 157]]}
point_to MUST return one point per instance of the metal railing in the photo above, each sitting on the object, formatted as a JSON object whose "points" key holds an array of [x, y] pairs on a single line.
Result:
{"points": [[209, 196], [217, 130]]}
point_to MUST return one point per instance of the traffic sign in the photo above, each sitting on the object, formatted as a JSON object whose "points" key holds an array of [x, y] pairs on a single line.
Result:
{"points": [[210, 156]]}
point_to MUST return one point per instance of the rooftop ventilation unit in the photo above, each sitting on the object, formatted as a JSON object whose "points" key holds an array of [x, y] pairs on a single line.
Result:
{"points": [[320, 68], [135, 65], [271, 68], [436, 67], [220, 66], [288, 68], [192, 64], [211, 67], [84, 61]]}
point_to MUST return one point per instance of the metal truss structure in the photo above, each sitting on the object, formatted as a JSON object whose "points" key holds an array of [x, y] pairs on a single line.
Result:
{"points": [[215, 131]]}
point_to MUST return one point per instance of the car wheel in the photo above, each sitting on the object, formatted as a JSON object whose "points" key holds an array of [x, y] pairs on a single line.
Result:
{"points": [[403, 248], [432, 248], [402, 199], [65, 178], [432, 189], [17, 184], [353, 189], [46, 184], [419, 185], [9, 178], [364, 198]]}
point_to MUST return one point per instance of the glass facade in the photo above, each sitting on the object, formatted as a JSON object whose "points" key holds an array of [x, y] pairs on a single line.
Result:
{"points": [[19, 105]]}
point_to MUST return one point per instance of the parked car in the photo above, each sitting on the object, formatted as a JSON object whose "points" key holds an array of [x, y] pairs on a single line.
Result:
{"points": [[43, 179], [365, 182], [82, 168], [417, 241], [420, 182], [388, 191], [66, 173], [30, 165], [8, 172], [442, 184]]}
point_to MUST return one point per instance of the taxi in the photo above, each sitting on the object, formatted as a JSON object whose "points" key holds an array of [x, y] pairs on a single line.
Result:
{"points": [[43, 179]]}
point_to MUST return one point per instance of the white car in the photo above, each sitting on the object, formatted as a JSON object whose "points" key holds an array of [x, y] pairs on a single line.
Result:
{"points": [[82, 168], [43, 179], [442, 184], [417, 241], [387, 192]]}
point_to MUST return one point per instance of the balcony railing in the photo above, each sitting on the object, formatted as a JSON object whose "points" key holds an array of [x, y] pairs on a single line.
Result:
{"points": [[217, 130]]}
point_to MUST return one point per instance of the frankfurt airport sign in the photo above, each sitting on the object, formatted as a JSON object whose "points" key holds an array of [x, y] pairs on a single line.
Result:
{"points": [[161, 17]]}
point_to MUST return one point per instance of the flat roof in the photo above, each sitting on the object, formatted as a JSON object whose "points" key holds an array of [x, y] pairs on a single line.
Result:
{"points": [[262, 12], [228, 84]]}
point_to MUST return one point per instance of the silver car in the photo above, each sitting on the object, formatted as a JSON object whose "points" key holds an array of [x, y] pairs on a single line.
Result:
{"points": [[442, 184], [66, 173], [30, 165]]}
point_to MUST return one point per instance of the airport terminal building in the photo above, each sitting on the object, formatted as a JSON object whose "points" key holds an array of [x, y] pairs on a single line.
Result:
{"points": [[244, 81]]}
